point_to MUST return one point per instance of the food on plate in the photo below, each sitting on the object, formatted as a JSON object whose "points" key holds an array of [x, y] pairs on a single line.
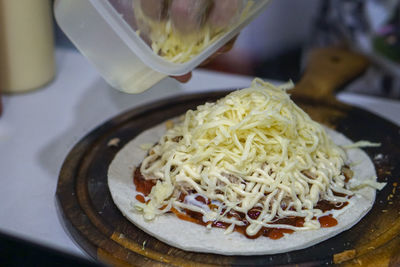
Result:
{"points": [[249, 174]]}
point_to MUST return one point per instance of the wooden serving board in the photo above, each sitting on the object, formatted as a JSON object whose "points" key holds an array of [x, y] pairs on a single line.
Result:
{"points": [[102, 231]]}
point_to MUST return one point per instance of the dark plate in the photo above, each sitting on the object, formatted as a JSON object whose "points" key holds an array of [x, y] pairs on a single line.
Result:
{"points": [[101, 230]]}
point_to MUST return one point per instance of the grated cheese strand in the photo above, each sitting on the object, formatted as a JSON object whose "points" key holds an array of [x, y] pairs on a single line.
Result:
{"points": [[176, 47], [254, 148], [362, 143]]}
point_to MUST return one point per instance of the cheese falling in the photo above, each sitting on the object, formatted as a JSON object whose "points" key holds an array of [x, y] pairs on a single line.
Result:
{"points": [[254, 148], [178, 48]]}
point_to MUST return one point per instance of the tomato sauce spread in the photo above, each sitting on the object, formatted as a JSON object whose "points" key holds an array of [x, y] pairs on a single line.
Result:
{"points": [[143, 187]]}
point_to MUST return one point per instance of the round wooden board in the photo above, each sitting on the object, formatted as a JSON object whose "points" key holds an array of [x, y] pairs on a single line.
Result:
{"points": [[103, 232]]}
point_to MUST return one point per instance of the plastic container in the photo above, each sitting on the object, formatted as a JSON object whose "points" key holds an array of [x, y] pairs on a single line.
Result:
{"points": [[112, 35]]}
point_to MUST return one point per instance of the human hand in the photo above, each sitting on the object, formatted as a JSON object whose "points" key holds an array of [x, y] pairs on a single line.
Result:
{"points": [[227, 47], [189, 16]]}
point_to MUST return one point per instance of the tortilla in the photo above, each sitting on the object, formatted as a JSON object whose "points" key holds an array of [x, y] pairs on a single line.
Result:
{"points": [[192, 237]]}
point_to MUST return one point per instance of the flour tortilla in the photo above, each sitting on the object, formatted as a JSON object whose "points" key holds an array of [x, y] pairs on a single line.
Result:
{"points": [[192, 237]]}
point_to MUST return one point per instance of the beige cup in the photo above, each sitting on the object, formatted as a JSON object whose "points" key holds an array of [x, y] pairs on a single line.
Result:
{"points": [[26, 45]]}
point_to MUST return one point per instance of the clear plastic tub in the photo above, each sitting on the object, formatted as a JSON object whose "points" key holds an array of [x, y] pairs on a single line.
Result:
{"points": [[133, 50]]}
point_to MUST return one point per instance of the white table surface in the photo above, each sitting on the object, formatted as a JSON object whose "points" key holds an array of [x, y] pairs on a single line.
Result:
{"points": [[38, 129]]}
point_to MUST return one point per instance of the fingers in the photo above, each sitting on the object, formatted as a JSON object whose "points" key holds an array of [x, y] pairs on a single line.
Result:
{"points": [[183, 78], [189, 15], [226, 48], [223, 12], [154, 9], [124, 7]]}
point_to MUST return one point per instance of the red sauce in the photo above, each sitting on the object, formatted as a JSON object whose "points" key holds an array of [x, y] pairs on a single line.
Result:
{"points": [[325, 205], [203, 200], [187, 217], [140, 198], [327, 221], [144, 186]]}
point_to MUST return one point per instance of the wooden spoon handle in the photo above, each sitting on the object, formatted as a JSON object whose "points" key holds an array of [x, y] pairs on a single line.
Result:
{"points": [[327, 70]]}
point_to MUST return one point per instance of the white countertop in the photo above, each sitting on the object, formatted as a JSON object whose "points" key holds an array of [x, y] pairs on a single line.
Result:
{"points": [[38, 129]]}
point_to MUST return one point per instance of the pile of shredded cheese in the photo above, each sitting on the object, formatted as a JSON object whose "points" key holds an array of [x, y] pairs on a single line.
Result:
{"points": [[254, 148]]}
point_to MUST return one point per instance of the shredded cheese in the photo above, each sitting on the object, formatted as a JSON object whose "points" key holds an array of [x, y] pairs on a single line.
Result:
{"points": [[370, 183], [146, 146], [362, 143], [176, 47], [253, 148]]}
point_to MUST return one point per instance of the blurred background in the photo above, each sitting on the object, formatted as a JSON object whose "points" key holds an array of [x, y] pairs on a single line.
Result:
{"points": [[273, 45]]}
